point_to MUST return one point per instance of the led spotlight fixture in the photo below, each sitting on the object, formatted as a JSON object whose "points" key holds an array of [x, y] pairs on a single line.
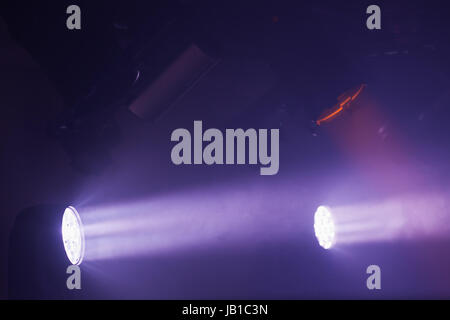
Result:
{"points": [[324, 227], [73, 235]]}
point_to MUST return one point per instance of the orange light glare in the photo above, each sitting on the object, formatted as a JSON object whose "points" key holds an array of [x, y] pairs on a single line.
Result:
{"points": [[346, 100]]}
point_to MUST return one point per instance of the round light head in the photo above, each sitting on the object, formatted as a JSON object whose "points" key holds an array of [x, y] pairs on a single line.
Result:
{"points": [[324, 227], [73, 235]]}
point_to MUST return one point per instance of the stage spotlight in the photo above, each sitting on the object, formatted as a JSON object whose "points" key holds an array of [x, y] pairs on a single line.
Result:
{"points": [[73, 235], [324, 227]]}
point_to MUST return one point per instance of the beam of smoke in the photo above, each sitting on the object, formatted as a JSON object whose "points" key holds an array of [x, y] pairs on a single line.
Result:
{"points": [[402, 217]]}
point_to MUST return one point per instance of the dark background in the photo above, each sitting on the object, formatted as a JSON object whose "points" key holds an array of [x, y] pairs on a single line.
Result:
{"points": [[280, 65]]}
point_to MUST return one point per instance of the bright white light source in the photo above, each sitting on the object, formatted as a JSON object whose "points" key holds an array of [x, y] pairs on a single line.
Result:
{"points": [[73, 236], [324, 227]]}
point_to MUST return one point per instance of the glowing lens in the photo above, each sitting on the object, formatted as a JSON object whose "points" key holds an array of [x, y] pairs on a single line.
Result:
{"points": [[324, 227], [72, 235]]}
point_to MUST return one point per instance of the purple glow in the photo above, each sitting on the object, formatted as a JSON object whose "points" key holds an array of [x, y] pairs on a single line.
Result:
{"points": [[188, 220], [233, 215], [399, 218]]}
